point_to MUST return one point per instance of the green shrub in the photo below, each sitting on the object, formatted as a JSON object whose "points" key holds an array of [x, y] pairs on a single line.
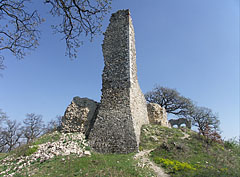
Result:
{"points": [[31, 150], [231, 144], [174, 165]]}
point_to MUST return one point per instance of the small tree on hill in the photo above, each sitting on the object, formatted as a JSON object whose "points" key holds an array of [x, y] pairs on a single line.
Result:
{"points": [[54, 124], [33, 126], [10, 136], [205, 120]]}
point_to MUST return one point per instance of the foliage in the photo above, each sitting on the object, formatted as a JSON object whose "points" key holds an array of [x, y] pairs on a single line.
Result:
{"points": [[231, 143], [173, 166], [31, 150], [211, 134], [208, 158]]}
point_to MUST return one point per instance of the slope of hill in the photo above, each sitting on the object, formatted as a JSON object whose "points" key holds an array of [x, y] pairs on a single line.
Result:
{"points": [[180, 152]]}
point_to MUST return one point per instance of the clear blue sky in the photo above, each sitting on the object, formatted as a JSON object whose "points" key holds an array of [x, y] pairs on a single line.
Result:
{"points": [[190, 45]]}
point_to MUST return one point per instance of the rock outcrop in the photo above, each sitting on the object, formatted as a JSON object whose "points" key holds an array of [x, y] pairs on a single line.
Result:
{"points": [[79, 116], [123, 108], [157, 114]]}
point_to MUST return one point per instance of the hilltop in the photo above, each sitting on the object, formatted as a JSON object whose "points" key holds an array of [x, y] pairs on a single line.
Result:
{"points": [[180, 152]]}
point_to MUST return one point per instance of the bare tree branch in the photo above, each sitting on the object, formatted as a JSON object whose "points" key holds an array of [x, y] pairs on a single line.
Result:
{"points": [[33, 126], [10, 136], [18, 29], [170, 99], [79, 17]]}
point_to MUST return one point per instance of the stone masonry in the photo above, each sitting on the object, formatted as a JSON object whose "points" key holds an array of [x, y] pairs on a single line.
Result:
{"points": [[157, 115], [123, 108], [180, 121], [79, 116]]}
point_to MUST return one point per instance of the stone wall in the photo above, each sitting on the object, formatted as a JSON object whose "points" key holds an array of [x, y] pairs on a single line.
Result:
{"points": [[157, 115], [79, 116], [123, 109], [180, 122]]}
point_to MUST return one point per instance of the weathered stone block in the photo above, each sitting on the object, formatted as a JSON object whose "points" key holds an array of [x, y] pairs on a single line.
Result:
{"points": [[157, 115], [79, 115], [123, 108]]}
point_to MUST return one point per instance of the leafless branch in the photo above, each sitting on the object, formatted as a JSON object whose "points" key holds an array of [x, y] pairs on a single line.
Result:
{"points": [[79, 17], [18, 29]]}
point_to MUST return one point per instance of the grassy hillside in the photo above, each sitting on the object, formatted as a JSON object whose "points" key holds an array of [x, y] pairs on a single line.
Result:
{"points": [[93, 164], [190, 155], [179, 152]]}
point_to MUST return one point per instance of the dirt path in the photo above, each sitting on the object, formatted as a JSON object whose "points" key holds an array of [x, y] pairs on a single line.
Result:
{"points": [[185, 135], [145, 161]]}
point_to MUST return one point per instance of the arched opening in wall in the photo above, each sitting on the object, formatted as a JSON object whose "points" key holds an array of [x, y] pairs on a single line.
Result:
{"points": [[183, 125], [175, 126]]}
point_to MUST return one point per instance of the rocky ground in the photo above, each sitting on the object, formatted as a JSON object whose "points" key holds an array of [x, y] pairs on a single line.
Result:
{"points": [[68, 143], [144, 160]]}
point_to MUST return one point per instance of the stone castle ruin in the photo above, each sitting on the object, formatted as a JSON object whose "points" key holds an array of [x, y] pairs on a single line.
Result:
{"points": [[113, 126], [123, 108], [180, 122]]}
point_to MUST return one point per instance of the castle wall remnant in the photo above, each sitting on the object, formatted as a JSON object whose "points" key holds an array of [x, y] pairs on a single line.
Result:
{"points": [[157, 115], [180, 121], [123, 108], [79, 116]]}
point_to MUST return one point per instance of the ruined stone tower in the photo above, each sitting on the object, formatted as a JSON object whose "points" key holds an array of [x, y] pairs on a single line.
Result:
{"points": [[123, 108]]}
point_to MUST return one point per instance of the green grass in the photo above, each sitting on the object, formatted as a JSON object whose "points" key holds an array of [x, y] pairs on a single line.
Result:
{"points": [[154, 135], [31, 150], [49, 137], [189, 157], [28, 149], [94, 165], [2, 155], [194, 157]]}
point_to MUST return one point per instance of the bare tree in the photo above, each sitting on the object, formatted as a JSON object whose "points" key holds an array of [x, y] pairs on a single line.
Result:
{"points": [[33, 126], [54, 124], [2, 67], [18, 29], [204, 119], [171, 100], [10, 136], [79, 18], [3, 117]]}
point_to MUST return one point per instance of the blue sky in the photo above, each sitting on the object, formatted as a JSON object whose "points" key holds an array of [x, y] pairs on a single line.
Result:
{"points": [[189, 45]]}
